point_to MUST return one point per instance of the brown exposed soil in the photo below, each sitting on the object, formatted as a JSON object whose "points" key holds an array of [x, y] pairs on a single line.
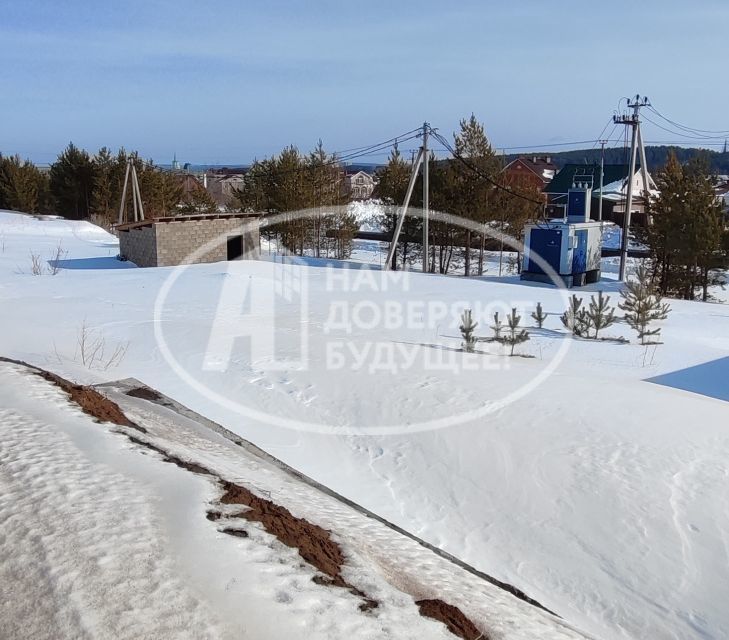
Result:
{"points": [[144, 393], [452, 617], [88, 399], [168, 457], [314, 543]]}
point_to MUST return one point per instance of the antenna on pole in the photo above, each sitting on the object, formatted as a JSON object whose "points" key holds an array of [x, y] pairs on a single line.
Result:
{"points": [[632, 121]]}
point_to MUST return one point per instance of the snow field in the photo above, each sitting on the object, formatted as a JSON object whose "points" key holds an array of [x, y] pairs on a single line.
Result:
{"points": [[601, 493]]}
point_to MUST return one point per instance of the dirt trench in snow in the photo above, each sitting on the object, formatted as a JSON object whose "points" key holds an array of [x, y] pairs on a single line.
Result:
{"points": [[314, 544]]}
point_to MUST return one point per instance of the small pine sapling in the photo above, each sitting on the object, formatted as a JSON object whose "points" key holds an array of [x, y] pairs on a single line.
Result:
{"points": [[497, 327], [468, 326], [643, 305], [539, 315], [575, 318], [600, 314], [514, 335]]}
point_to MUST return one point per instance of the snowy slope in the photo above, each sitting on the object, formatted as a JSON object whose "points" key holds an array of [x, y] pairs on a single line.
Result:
{"points": [[132, 554], [599, 493]]}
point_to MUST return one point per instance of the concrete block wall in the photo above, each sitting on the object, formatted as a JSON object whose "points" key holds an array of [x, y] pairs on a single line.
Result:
{"points": [[180, 239], [139, 245]]}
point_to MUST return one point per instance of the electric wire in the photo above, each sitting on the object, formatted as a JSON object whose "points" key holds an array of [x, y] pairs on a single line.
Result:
{"points": [[717, 133]]}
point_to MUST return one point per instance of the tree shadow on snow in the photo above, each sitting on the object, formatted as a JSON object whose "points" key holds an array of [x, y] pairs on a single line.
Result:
{"points": [[708, 379]]}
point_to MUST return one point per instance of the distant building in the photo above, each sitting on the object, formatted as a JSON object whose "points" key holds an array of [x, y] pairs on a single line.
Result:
{"points": [[190, 184], [614, 191], [722, 193], [223, 188], [358, 185], [536, 171]]}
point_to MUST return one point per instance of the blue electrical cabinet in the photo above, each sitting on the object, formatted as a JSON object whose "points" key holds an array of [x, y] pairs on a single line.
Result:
{"points": [[571, 249], [579, 252], [546, 243]]}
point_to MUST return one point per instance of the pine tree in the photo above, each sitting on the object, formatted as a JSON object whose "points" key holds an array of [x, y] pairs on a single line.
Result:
{"points": [[22, 186], [473, 197], [575, 318], [600, 314], [514, 335], [198, 200], [685, 238], [497, 327], [643, 305], [468, 326], [325, 192], [539, 315], [72, 182], [106, 194]]}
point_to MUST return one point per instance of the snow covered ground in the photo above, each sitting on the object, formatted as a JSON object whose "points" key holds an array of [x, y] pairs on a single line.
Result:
{"points": [[600, 492], [101, 541]]}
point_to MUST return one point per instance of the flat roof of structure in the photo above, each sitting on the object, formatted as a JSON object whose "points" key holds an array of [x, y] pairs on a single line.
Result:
{"points": [[125, 226]]}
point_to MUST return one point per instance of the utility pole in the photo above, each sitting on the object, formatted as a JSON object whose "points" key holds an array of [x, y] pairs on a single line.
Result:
{"points": [[602, 179], [390, 262], [426, 200], [633, 122], [137, 205], [421, 158]]}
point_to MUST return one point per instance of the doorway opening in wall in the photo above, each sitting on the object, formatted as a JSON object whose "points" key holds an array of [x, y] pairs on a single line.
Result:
{"points": [[235, 247]]}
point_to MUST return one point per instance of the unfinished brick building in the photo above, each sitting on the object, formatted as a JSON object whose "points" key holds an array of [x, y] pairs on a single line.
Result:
{"points": [[169, 241]]}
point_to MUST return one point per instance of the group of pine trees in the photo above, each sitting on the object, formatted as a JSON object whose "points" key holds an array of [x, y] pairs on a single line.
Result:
{"points": [[23, 187], [510, 334], [294, 182], [688, 237], [460, 189], [640, 300], [80, 185]]}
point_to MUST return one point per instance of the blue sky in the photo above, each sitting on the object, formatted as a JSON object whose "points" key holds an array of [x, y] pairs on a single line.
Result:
{"points": [[229, 81]]}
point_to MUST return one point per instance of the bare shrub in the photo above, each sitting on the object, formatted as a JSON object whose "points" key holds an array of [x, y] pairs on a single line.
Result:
{"points": [[36, 264], [39, 267], [93, 352], [53, 264]]}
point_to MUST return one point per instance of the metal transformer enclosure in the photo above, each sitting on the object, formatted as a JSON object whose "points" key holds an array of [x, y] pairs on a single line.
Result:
{"points": [[572, 249]]}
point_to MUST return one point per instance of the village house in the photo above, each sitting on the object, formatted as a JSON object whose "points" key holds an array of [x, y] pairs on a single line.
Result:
{"points": [[358, 185], [722, 193], [223, 187], [535, 171]]}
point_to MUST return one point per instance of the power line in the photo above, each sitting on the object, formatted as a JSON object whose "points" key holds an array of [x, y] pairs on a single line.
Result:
{"points": [[718, 133], [681, 133]]}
